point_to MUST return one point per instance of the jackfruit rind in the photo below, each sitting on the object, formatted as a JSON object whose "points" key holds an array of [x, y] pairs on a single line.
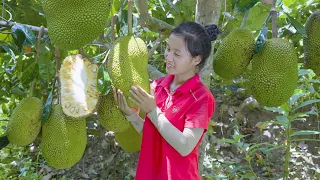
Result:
{"points": [[128, 65], [25, 122], [109, 116], [311, 43], [129, 140], [78, 91], [63, 141], [73, 24], [234, 53], [274, 74]]}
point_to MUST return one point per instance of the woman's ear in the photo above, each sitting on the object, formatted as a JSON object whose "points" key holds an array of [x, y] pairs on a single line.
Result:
{"points": [[197, 60]]}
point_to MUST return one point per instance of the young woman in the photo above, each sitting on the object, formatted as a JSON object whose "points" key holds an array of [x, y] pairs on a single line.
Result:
{"points": [[179, 108]]}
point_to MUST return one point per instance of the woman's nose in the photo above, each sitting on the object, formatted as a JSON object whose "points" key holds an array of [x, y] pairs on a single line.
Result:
{"points": [[168, 56]]}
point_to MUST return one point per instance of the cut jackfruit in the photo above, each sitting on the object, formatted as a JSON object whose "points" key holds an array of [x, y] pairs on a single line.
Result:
{"points": [[63, 140], [128, 65], [79, 92], [129, 140], [274, 74], [73, 24], [311, 43], [234, 53], [25, 122]]}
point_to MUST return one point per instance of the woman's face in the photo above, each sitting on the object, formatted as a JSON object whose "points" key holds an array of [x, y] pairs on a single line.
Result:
{"points": [[178, 59]]}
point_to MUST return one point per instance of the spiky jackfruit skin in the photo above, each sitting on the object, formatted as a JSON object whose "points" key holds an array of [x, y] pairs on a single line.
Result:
{"points": [[234, 53], [109, 116], [127, 65], [25, 122], [129, 140], [63, 140], [73, 24], [274, 74], [311, 43], [78, 91]]}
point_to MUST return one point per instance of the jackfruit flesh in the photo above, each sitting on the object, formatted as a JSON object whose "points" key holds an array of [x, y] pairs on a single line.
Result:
{"points": [[63, 139], [234, 53], [73, 24], [25, 122], [79, 92], [311, 43], [109, 116], [274, 74], [129, 140], [127, 65]]}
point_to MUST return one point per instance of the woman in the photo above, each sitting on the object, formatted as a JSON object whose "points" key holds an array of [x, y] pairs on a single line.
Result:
{"points": [[179, 108]]}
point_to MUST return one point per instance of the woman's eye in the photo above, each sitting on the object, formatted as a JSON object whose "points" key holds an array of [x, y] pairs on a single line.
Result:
{"points": [[176, 54]]}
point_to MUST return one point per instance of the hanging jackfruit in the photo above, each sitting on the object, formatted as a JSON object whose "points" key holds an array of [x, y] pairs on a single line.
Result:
{"points": [[73, 24], [25, 122], [129, 140], [274, 74], [63, 140], [311, 43], [127, 65], [78, 91], [234, 53]]}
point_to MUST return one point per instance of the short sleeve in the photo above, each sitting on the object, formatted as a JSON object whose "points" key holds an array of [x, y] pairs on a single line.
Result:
{"points": [[199, 113]]}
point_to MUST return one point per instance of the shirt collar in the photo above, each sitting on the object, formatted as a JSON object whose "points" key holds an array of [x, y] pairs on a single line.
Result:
{"points": [[186, 87]]}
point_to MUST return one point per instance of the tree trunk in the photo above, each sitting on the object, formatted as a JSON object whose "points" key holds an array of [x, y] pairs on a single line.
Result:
{"points": [[207, 12]]}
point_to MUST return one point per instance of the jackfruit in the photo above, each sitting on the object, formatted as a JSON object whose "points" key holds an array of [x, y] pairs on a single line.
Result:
{"points": [[63, 139], [109, 116], [234, 53], [73, 24], [311, 43], [25, 122], [129, 140], [128, 65], [274, 74], [78, 91]]}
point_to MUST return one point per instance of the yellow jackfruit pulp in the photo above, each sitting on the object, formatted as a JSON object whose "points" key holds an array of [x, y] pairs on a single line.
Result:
{"points": [[274, 74], [73, 24], [79, 92], [311, 43], [129, 140], [234, 53], [63, 139], [127, 65], [25, 122], [109, 116]]}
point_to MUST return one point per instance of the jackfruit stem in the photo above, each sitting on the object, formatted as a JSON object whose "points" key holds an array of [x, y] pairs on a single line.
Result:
{"points": [[58, 65], [245, 18], [273, 11], [113, 22], [130, 6]]}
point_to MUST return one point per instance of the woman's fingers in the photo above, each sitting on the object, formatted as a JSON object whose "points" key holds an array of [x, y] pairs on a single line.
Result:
{"points": [[135, 93], [115, 95]]}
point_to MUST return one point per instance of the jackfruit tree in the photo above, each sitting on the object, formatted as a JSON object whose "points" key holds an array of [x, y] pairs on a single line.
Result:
{"points": [[234, 53], [25, 122], [312, 42], [73, 24]]}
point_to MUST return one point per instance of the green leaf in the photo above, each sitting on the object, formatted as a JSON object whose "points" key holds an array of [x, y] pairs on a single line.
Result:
{"points": [[297, 25], [279, 110], [5, 46], [4, 141], [24, 34], [47, 109], [244, 5], [294, 98], [31, 72], [305, 133], [46, 64], [307, 103], [103, 80], [261, 39]]}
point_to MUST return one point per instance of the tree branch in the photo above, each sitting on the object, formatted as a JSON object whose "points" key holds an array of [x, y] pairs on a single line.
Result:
{"points": [[154, 73], [10, 24]]}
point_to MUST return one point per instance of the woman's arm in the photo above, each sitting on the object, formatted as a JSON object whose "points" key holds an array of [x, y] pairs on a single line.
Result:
{"points": [[136, 121], [184, 142]]}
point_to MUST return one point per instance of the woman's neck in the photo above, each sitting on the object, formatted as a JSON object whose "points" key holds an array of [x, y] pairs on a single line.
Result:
{"points": [[178, 80]]}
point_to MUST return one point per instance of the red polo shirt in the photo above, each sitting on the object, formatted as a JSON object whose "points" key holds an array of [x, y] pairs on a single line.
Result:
{"points": [[192, 106]]}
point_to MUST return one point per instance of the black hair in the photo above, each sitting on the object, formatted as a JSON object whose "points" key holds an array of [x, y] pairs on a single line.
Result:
{"points": [[197, 38]]}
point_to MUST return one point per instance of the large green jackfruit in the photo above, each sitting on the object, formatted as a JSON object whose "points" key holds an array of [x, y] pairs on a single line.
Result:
{"points": [[311, 43], [25, 122], [74, 23], [129, 140], [63, 139], [234, 53], [109, 116], [78, 91], [274, 74], [128, 65]]}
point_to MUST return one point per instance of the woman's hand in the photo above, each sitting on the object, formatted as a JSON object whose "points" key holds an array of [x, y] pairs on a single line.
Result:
{"points": [[142, 99], [122, 103]]}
